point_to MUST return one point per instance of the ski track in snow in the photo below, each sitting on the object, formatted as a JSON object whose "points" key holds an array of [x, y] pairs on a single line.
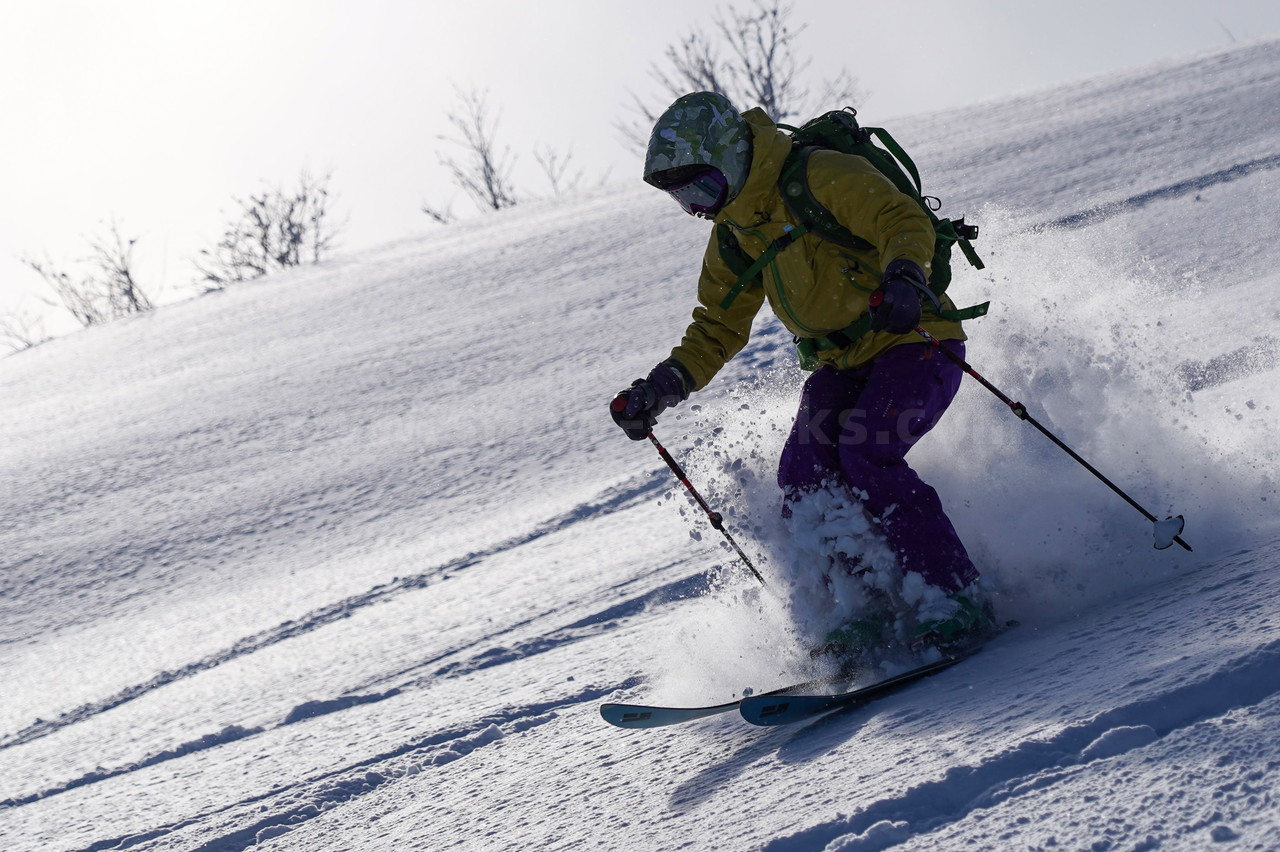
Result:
{"points": [[620, 498], [1257, 357], [1106, 211], [440, 748], [679, 590], [289, 806], [1037, 765]]}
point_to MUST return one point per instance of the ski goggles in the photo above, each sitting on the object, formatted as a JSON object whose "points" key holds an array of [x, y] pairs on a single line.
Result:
{"points": [[702, 194]]}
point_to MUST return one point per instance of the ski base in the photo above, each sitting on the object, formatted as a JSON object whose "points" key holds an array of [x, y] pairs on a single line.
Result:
{"points": [[645, 716], [653, 716], [770, 710]]}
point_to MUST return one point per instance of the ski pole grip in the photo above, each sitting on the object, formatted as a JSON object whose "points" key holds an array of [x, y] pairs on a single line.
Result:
{"points": [[619, 403]]}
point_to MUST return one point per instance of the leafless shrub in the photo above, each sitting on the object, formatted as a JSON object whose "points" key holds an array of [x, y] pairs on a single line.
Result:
{"points": [[765, 69], [275, 229], [114, 258], [106, 290], [760, 69], [555, 167], [20, 331], [79, 295], [439, 215], [695, 65], [483, 171]]}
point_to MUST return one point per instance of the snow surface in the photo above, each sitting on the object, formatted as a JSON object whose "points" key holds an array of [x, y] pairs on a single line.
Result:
{"points": [[348, 557]]}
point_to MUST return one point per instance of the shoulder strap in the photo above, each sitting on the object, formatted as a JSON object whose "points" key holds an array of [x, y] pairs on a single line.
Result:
{"points": [[751, 274], [731, 251], [793, 184], [891, 145]]}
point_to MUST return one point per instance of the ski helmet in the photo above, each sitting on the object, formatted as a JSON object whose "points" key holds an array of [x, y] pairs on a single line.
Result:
{"points": [[699, 130]]}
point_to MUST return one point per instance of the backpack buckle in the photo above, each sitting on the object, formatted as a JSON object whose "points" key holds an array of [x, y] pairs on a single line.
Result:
{"points": [[963, 231]]}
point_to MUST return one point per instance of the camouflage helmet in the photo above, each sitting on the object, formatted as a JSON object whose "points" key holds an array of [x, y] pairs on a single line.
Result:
{"points": [[700, 129]]}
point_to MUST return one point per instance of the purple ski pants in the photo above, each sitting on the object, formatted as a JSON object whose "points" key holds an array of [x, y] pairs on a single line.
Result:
{"points": [[856, 426]]}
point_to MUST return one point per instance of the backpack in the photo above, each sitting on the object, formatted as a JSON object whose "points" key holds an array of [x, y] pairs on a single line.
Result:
{"points": [[839, 131]]}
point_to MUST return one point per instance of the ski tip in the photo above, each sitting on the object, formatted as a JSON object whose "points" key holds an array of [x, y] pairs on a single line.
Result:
{"points": [[626, 716], [649, 716]]}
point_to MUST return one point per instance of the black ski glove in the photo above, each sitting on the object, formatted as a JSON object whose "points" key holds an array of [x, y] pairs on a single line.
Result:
{"points": [[895, 307], [636, 409]]}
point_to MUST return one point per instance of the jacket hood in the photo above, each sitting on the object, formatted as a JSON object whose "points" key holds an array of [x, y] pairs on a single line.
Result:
{"points": [[769, 149]]}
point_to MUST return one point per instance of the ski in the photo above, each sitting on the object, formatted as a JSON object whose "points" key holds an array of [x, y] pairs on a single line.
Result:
{"points": [[647, 716], [655, 716], [785, 709]]}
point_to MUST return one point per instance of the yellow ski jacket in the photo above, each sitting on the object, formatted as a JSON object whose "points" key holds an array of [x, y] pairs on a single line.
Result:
{"points": [[815, 287]]}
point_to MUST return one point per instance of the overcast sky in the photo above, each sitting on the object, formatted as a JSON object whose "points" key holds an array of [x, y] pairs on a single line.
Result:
{"points": [[157, 112]]}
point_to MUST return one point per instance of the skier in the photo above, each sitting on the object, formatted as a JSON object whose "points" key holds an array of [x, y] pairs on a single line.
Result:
{"points": [[871, 399]]}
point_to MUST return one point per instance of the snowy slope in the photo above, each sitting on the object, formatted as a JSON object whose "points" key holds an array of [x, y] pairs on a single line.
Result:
{"points": [[347, 558]]}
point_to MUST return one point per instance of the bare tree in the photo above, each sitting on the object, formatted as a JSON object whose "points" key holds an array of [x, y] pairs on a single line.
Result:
{"points": [[107, 290], [761, 69], [555, 166], [80, 295], [114, 259], [20, 331], [695, 65], [440, 215], [275, 229], [483, 171], [765, 69]]}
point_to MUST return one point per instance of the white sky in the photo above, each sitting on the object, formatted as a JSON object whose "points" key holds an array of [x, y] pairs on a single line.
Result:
{"points": [[158, 112]]}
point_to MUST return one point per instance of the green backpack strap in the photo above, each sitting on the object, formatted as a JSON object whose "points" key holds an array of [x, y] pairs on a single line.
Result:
{"points": [[809, 347], [961, 314], [956, 232], [793, 184], [732, 253], [737, 259], [891, 145]]}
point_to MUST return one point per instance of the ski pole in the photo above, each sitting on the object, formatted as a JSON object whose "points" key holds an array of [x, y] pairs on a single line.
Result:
{"points": [[714, 517], [1167, 531]]}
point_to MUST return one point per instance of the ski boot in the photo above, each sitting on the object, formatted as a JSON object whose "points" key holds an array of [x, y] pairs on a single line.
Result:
{"points": [[957, 624], [853, 645]]}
